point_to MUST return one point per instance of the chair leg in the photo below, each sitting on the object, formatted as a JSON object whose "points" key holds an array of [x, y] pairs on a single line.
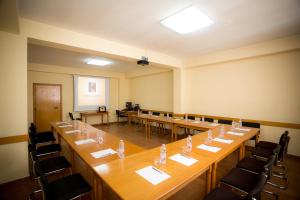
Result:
{"points": [[281, 187], [271, 193]]}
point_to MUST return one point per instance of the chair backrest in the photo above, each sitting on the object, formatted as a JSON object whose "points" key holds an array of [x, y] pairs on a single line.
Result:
{"points": [[118, 113], [284, 147], [156, 113], [170, 115], [191, 117], [71, 116], [251, 124], [145, 111], [255, 193], [208, 119], [283, 137], [225, 121], [43, 180]]}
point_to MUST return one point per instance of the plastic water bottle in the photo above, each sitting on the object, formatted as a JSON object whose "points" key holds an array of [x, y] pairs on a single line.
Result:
{"points": [[222, 131], [189, 143], [163, 154], [186, 117], [209, 136], [240, 123], [100, 138], [202, 118], [138, 112], [121, 149]]}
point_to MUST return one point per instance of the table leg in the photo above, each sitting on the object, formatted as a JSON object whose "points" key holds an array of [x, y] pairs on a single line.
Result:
{"points": [[85, 119], [241, 151], [107, 119], [102, 119], [208, 179], [95, 186], [214, 176]]}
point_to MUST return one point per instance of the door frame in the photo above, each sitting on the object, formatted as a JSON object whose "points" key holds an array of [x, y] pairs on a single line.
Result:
{"points": [[34, 93]]}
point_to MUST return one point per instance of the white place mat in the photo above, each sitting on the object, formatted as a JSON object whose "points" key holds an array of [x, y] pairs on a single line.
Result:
{"points": [[60, 123], [234, 133], [86, 141], [243, 129], [183, 159], [153, 175], [65, 126], [72, 131], [209, 148], [213, 124], [223, 140], [176, 119], [196, 122], [103, 153]]}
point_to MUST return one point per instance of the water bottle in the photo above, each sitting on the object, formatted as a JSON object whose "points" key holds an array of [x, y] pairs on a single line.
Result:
{"points": [[209, 135], [186, 117], [121, 149], [138, 112], [222, 131], [240, 123], [163, 154], [100, 138], [189, 144], [202, 118]]}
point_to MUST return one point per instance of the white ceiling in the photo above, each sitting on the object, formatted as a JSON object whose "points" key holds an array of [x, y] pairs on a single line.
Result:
{"points": [[137, 22], [59, 57]]}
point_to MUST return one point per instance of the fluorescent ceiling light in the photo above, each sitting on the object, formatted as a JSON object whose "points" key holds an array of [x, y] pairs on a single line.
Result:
{"points": [[187, 20], [98, 62]]}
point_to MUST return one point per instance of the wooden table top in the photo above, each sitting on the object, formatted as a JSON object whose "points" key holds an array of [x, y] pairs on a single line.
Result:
{"points": [[84, 151], [122, 177]]}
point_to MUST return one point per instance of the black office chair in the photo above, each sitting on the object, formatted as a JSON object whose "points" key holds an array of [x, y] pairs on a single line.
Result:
{"points": [[41, 137], [68, 187], [43, 150], [272, 145], [207, 119], [145, 112], [251, 125], [120, 115], [255, 189], [72, 117], [225, 121], [156, 113]]}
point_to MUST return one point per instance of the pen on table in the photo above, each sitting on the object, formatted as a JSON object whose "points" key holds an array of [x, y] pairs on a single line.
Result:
{"points": [[157, 170]]}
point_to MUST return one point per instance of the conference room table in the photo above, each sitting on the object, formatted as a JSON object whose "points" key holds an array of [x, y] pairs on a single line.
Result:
{"points": [[120, 175], [83, 151]]}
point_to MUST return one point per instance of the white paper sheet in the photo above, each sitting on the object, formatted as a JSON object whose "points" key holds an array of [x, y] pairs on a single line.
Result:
{"points": [[153, 175], [209, 148], [72, 131], [86, 141], [183, 159], [177, 119], [65, 126], [223, 140], [103, 153], [234, 133], [243, 129], [196, 122], [213, 124], [60, 123]]}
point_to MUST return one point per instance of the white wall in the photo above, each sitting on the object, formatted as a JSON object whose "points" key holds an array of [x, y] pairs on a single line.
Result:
{"points": [[154, 92], [13, 105]]}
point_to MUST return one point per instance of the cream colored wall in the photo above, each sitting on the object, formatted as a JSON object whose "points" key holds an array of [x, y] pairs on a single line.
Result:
{"points": [[64, 75], [264, 88], [153, 91], [13, 105]]}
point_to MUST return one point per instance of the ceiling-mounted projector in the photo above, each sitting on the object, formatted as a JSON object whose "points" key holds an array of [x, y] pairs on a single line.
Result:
{"points": [[144, 61]]}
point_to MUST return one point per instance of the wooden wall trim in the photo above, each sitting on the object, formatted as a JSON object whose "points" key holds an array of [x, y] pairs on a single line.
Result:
{"points": [[13, 139]]}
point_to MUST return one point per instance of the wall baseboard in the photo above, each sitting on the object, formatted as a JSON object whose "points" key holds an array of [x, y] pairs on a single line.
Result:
{"points": [[13, 139]]}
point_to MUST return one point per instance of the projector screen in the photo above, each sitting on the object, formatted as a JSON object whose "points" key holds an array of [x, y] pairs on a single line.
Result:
{"points": [[90, 92]]}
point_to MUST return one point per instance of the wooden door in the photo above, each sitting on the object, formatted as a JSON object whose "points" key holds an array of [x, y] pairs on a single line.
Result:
{"points": [[47, 105]]}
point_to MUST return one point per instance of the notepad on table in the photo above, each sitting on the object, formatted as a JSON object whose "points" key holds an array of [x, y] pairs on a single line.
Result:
{"points": [[65, 126], [153, 175], [243, 129], [213, 124], [72, 131], [223, 140], [103, 153], [234, 133], [85, 141], [185, 160], [209, 148]]}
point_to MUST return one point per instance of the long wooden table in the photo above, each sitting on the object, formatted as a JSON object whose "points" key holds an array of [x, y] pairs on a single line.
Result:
{"points": [[120, 176], [85, 115], [84, 151]]}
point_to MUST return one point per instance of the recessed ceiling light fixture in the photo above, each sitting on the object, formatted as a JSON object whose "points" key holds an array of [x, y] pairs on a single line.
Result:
{"points": [[187, 20], [98, 62]]}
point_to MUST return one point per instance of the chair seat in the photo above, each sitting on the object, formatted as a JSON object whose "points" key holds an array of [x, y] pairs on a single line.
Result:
{"points": [[68, 187], [241, 179], [53, 164], [222, 194], [266, 144], [44, 137], [265, 152], [252, 164], [48, 149]]}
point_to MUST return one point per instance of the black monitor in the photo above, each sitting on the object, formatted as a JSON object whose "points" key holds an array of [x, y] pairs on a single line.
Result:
{"points": [[129, 106]]}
